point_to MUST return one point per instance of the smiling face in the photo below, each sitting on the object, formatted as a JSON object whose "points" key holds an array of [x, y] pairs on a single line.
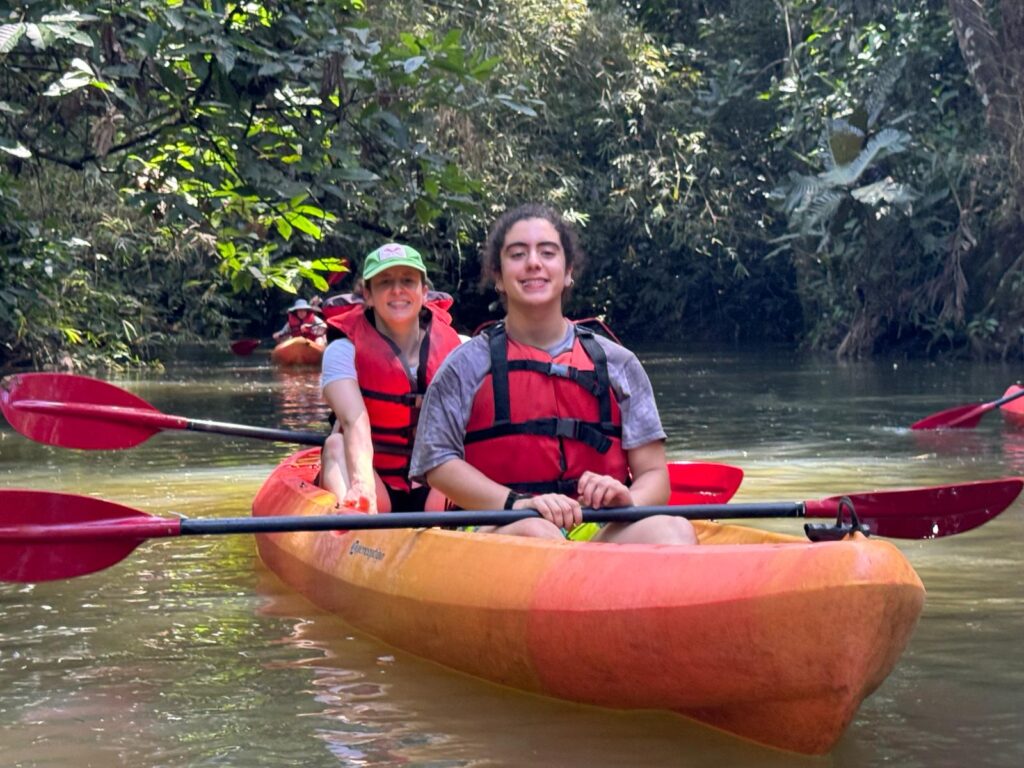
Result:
{"points": [[533, 270], [397, 296]]}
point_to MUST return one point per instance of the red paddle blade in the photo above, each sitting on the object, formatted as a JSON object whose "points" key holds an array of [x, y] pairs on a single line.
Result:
{"points": [[244, 347], [926, 513], [65, 538], [54, 408], [954, 418], [702, 482]]}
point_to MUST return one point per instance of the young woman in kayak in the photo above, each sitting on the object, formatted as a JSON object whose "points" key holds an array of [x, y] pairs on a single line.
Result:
{"points": [[383, 353], [539, 413]]}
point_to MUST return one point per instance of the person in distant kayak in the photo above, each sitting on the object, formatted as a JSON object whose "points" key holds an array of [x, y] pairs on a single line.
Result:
{"points": [[539, 413], [303, 320], [385, 347]]}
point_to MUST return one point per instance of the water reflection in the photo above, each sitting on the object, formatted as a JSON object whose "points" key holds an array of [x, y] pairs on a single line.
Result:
{"points": [[299, 404], [384, 707]]}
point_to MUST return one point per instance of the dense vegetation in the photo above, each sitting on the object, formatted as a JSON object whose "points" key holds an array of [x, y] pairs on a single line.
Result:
{"points": [[847, 176]]}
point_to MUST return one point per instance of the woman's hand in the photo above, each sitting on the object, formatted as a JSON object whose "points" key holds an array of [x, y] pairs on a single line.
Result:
{"points": [[555, 508], [603, 491]]}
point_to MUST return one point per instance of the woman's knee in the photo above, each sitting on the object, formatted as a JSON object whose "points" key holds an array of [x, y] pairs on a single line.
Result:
{"points": [[658, 529], [673, 530], [534, 527], [334, 447]]}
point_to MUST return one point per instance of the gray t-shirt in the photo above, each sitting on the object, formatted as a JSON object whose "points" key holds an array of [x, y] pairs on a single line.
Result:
{"points": [[449, 400]]}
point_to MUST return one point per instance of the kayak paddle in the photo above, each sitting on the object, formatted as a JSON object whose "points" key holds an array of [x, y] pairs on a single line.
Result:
{"points": [[73, 535], [82, 412], [245, 347], [702, 482], [963, 416]]}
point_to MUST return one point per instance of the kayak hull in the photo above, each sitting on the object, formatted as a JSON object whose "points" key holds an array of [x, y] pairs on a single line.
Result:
{"points": [[297, 351], [765, 636], [1013, 411]]}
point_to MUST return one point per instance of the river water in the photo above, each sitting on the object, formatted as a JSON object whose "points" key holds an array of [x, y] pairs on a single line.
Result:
{"points": [[190, 653]]}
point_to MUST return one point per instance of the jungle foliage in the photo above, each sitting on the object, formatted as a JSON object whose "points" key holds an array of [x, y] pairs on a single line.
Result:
{"points": [[847, 176]]}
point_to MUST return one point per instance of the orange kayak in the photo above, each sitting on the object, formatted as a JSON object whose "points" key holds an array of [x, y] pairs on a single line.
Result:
{"points": [[766, 636], [297, 351]]}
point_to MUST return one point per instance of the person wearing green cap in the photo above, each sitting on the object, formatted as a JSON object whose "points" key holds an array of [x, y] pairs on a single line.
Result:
{"points": [[540, 413], [383, 352]]}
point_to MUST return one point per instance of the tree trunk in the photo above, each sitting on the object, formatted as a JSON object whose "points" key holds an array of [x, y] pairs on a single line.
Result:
{"points": [[995, 61]]}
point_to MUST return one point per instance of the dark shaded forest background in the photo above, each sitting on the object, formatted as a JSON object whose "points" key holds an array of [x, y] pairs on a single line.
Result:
{"points": [[845, 177]]}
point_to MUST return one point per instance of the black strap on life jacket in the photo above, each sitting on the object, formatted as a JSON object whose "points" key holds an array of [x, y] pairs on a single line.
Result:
{"points": [[566, 487], [597, 382]]}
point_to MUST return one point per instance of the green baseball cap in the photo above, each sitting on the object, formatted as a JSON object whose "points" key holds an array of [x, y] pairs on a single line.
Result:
{"points": [[392, 255]]}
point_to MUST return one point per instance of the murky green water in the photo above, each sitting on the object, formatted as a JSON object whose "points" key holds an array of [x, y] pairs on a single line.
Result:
{"points": [[189, 653]]}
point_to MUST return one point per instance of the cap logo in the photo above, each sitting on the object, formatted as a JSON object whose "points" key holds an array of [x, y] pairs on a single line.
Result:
{"points": [[391, 251]]}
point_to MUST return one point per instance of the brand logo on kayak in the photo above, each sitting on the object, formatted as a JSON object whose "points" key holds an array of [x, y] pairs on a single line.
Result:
{"points": [[360, 549]]}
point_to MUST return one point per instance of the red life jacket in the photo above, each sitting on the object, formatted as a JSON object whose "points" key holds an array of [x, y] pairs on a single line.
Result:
{"points": [[392, 396], [538, 423], [304, 328]]}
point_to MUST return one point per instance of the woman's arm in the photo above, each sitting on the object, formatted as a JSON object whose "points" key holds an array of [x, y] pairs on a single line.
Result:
{"points": [[650, 487], [466, 486], [356, 477]]}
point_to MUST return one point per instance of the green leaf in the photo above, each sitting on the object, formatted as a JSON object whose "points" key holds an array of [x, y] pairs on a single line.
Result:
{"points": [[73, 335], [283, 228], [14, 148], [79, 76], [226, 59], [303, 224], [40, 36], [515, 106], [485, 67], [357, 174], [10, 34], [414, 63]]}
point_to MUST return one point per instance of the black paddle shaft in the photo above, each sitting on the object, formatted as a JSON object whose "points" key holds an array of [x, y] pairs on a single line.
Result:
{"points": [[353, 522], [262, 433]]}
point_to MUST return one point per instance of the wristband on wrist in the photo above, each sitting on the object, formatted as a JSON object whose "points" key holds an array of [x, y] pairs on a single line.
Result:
{"points": [[513, 497]]}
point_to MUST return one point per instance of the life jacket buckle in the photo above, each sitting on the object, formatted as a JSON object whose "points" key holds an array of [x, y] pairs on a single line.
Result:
{"points": [[567, 428], [559, 369]]}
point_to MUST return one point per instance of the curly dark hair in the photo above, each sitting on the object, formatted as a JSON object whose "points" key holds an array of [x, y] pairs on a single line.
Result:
{"points": [[568, 238]]}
